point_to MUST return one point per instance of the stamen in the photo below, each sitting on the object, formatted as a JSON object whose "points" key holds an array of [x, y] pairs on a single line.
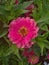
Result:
{"points": [[23, 31]]}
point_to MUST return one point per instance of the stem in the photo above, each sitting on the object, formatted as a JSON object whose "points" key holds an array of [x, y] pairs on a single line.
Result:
{"points": [[6, 40], [42, 52]]}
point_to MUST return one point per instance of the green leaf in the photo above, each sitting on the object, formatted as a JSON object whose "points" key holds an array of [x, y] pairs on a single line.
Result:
{"points": [[21, 63], [13, 60], [3, 18], [45, 35], [44, 27], [5, 61], [42, 43], [19, 12], [43, 19], [3, 33], [46, 43], [3, 48], [37, 12], [15, 51], [41, 13], [24, 5], [42, 46], [8, 52], [36, 49]]}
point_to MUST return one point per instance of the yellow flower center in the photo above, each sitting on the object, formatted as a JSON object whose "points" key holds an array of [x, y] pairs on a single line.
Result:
{"points": [[23, 31], [33, 58]]}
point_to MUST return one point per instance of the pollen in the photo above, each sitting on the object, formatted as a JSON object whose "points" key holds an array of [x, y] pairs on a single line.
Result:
{"points": [[23, 31], [33, 58]]}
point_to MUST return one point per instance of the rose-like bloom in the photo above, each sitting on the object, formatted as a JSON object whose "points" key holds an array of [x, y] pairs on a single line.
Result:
{"points": [[22, 30], [34, 59], [31, 57], [29, 8], [26, 53]]}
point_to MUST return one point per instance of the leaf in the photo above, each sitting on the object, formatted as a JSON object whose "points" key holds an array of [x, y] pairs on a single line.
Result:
{"points": [[43, 19], [41, 13], [19, 12], [37, 12], [3, 18], [15, 51], [46, 5], [46, 42], [3, 33], [3, 47], [10, 11], [21, 63], [45, 35], [36, 49], [9, 51], [42, 46], [44, 27], [13, 60], [24, 5], [42, 43], [5, 61]]}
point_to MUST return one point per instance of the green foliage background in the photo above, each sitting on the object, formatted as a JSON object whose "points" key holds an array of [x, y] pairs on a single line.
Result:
{"points": [[9, 54]]}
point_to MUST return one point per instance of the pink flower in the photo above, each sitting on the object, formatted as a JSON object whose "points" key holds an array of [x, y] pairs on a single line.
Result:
{"points": [[28, 14], [31, 57], [29, 8], [21, 31], [34, 59], [27, 53], [48, 56], [16, 2]]}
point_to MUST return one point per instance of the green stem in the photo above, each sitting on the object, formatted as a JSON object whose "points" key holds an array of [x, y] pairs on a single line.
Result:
{"points": [[6, 40], [42, 52]]}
